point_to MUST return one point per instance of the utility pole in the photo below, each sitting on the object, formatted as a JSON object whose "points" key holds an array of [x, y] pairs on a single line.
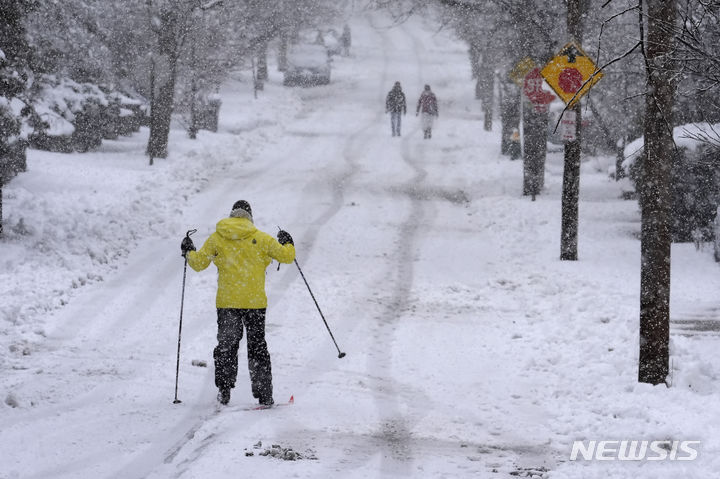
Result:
{"points": [[571, 172], [655, 195]]}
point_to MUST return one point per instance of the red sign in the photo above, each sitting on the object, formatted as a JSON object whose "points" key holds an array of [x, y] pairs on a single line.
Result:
{"points": [[568, 71], [570, 80], [533, 88]]}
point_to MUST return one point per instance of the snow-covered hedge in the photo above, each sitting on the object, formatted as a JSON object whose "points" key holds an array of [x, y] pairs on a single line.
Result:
{"points": [[12, 145], [695, 179], [13, 139], [13, 122], [124, 115], [77, 116]]}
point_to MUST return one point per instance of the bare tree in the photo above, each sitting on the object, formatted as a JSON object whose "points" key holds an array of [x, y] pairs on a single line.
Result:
{"points": [[571, 170], [170, 20], [655, 193]]}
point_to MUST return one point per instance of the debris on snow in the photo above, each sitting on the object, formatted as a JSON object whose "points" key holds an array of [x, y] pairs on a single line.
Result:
{"points": [[540, 472], [279, 452], [199, 363], [12, 401], [21, 349]]}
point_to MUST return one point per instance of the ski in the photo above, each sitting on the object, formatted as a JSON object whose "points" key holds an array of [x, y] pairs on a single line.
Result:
{"points": [[260, 407]]}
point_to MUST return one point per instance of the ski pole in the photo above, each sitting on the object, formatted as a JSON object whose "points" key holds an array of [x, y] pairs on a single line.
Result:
{"points": [[340, 354], [182, 302]]}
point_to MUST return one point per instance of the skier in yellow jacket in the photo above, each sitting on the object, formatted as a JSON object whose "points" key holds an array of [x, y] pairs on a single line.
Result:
{"points": [[241, 254]]}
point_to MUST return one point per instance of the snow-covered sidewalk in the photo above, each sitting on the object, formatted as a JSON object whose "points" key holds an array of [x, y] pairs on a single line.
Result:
{"points": [[472, 351]]}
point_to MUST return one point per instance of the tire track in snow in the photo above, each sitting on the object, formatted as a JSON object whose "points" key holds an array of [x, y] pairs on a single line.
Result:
{"points": [[352, 152], [422, 211], [392, 402], [390, 394], [395, 434]]}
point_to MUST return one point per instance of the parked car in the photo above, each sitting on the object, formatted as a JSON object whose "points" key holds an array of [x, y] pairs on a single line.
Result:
{"points": [[307, 65]]}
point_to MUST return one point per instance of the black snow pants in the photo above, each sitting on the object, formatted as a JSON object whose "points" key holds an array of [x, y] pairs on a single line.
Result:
{"points": [[230, 332]]}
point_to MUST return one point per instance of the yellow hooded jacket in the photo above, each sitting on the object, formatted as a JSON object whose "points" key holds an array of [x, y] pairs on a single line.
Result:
{"points": [[241, 253]]}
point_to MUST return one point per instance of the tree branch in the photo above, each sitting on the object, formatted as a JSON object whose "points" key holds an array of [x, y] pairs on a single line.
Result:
{"points": [[211, 4]]}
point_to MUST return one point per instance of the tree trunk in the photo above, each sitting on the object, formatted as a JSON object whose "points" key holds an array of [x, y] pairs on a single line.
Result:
{"points": [[475, 69], [193, 127], [161, 113], [485, 90], [619, 158], [152, 109], [163, 94], [262, 69], [1, 211], [571, 194], [474, 53], [571, 171], [509, 115], [282, 52], [655, 195], [535, 151]]}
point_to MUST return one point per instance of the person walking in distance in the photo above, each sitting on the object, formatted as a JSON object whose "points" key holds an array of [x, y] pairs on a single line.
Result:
{"points": [[395, 104], [427, 106], [241, 254]]}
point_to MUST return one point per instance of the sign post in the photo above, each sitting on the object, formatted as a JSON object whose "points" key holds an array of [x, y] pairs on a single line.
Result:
{"points": [[512, 107], [571, 73], [536, 120]]}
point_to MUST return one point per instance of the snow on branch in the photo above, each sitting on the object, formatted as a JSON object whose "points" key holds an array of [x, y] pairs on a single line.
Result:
{"points": [[705, 133], [211, 4]]}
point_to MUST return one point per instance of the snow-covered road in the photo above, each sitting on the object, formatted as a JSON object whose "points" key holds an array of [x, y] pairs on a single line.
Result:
{"points": [[471, 350]]}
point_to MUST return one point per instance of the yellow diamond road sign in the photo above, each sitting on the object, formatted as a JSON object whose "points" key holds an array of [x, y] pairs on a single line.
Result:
{"points": [[522, 68], [568, 71]]}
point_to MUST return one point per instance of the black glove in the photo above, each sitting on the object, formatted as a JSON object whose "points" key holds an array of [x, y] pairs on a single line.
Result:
{"points": [[186, 245], [284, 237]]}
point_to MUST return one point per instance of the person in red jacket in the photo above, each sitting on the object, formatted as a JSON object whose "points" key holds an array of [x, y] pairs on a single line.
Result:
{"points": [[427, 105]]}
